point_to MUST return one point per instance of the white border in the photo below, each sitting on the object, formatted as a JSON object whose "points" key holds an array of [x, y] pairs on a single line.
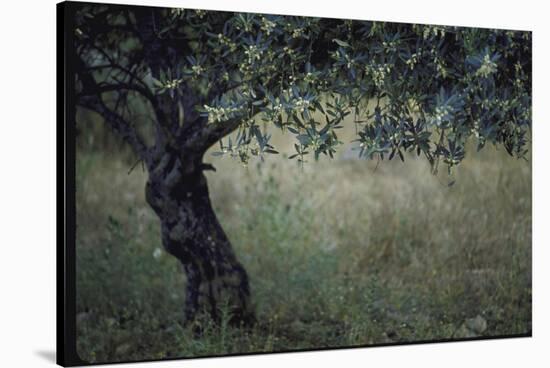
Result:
{"points": [[27, 181]]}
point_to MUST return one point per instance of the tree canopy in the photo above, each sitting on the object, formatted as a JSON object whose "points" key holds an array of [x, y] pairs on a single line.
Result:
{"points": [[204, 74]]}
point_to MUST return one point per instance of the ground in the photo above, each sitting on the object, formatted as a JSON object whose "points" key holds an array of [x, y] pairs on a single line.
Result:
{"points": [[340, 252]]}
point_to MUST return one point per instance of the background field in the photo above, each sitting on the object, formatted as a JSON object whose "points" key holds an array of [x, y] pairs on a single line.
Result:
{"points": [[339, 252]]}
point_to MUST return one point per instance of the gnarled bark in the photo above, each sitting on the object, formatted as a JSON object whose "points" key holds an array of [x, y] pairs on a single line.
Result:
{"points": [[176, 188], [191, 232]]}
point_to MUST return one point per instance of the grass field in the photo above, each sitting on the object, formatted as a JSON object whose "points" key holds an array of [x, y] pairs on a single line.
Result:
{"points": [[339, 253]]}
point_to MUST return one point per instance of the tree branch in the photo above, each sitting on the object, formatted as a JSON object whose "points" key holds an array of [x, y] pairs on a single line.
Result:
{"points": [[161, 54], [135, 83], [205, 135], [118, 123], [91, 99], [103, 87]]}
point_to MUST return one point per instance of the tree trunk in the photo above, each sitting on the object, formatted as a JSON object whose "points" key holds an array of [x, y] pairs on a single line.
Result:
{"points": [[191, 232]]}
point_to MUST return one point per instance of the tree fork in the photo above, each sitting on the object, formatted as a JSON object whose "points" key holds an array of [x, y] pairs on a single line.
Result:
{"points": [[192, 233]]}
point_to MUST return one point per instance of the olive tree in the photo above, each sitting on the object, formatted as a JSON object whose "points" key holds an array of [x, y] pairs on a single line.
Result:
{"points": [[200, 75]]}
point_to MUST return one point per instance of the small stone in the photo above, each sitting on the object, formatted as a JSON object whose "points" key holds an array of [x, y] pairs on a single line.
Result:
{"points": [[477, 324], [464, 333]]}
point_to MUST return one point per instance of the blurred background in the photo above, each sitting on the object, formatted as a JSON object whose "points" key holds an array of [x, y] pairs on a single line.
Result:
{"points": [[340, 252]]}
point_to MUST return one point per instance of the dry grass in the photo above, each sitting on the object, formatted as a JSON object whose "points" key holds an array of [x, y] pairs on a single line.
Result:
{"points": [[338, 253]]}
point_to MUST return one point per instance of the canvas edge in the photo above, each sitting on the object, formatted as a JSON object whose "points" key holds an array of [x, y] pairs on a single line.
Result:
{"points": [[66, 351]]}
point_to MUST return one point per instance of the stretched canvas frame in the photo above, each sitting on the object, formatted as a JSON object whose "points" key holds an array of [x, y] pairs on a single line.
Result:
{"points": [[470, 327]]}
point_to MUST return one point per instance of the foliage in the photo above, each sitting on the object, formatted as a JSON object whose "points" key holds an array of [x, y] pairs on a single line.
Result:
{"points": [[409, 87]]}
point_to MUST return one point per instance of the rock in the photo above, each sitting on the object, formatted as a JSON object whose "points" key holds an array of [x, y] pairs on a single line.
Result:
{"points": [[464, 333], [477, 324], [472, 327]]}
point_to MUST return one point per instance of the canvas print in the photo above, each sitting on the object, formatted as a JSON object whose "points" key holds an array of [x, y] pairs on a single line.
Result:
{"points": [[254, 183]]}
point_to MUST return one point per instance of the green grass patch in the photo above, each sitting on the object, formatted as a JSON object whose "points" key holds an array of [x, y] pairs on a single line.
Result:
{"points": [[338, 254]]}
